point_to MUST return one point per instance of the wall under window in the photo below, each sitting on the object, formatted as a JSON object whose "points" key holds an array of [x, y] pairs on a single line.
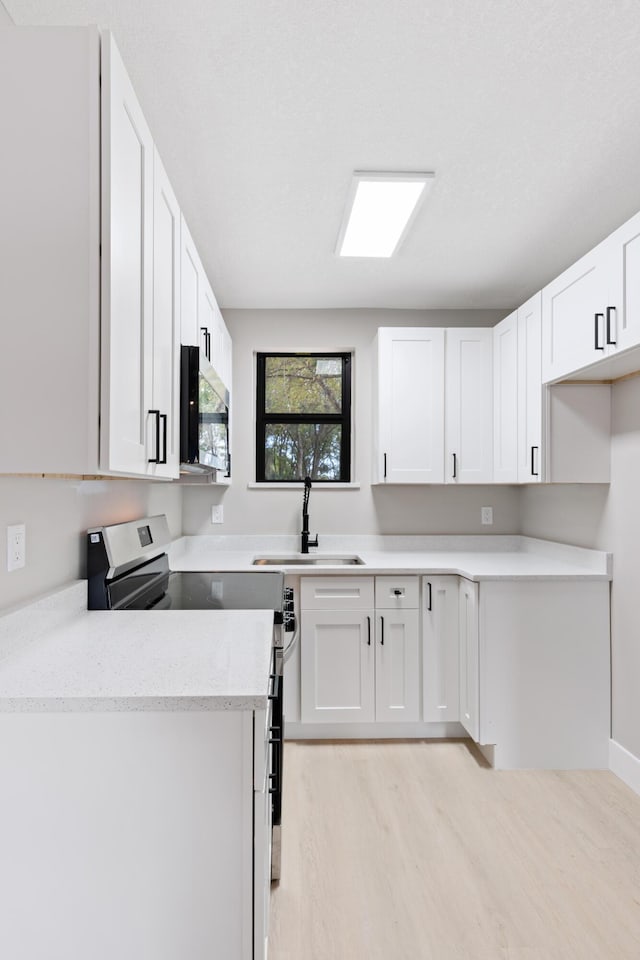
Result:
{"points": [[361, 510]]}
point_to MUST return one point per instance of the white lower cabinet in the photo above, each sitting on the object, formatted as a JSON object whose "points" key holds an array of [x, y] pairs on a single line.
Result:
{"points": [[157, 821], [337, 666], [440, 632], [359, 663], [469, 662], [397, 665], [522, 665]]}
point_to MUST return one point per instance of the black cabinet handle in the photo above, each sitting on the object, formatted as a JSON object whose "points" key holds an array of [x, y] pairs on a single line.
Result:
{"points": [[382, 631], [534, 473], [455, 466], [429, 606], [610, 342], [207, 342], [385, 465], [156, 459], [596, 317], [368, 631], [163, 417]]}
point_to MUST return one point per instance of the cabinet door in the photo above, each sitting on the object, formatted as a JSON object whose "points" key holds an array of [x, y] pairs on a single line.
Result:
{"points": [[190, 282], [208, 320], [127, 271], [397, 665], [505, 400], [573, 316], [166, 323], [440, 632], [469, 665], [337, 655], [469, 405], [530, 458], [622, 311], [226, 365], [410, 405]]}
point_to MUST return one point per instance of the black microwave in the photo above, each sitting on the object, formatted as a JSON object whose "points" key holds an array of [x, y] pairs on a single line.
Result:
{"points": [[204, 415]]}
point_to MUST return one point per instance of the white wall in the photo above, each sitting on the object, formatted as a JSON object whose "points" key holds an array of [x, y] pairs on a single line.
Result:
{"points": [[57, 514], [439, 509], [607, 518], [5, 19]]}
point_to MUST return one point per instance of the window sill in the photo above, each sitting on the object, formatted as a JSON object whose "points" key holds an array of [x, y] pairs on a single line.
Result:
{"points": [[298, 486]]}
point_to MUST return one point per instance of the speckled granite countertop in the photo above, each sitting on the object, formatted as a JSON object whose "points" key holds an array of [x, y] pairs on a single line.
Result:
{"points": [[55, 655]]}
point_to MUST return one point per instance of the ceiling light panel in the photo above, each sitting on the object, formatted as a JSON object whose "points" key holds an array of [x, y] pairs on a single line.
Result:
{"points": [[380, 208]]}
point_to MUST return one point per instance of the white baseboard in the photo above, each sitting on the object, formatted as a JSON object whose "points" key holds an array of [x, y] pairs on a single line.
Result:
{"points": [[625, 765]]}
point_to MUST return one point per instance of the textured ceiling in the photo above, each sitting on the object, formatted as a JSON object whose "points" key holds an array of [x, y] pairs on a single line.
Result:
{"points": [[528, 111]]}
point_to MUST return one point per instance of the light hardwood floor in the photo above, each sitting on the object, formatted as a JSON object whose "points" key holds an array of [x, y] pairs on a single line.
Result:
{"points": [[419, 851]]}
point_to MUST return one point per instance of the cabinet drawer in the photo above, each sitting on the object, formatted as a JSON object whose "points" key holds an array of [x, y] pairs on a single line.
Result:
{"points": [[396, 593], [336, 593]]}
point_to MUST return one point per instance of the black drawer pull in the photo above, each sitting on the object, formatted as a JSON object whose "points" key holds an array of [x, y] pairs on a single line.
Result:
{"points": [[382, 631], [368, 631], [429, 607]]}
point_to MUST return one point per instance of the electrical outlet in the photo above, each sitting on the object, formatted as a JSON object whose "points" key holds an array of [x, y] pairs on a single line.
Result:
{"points": [[217, 513], [16, 546], [486, 514]]}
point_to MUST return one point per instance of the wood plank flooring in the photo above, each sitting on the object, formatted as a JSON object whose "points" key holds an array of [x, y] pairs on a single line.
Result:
{"points": [[418, 851]]}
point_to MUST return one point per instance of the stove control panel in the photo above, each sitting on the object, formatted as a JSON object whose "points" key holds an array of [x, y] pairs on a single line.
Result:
{"points": [[288, 610]]}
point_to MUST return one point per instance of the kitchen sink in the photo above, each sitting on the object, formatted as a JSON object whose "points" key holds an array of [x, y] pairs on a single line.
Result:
{"points": [[303, 560]]}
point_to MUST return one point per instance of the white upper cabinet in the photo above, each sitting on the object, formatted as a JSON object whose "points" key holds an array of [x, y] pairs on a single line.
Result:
{"points": [[433, 405], [202, 323], [573, 311], [410, 396], [622, 310], [530, 452], [505, 400], [469, 405], [191, 281], [99, 293], [166, 325], [517, 395], [140, 288], [591, 313], [127, 271]]}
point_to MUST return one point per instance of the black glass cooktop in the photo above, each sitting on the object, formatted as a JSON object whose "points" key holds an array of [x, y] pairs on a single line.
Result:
{"points": [[224, 591]]}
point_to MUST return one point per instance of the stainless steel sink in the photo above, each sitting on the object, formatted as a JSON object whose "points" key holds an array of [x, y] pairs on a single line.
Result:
{"points": [[311, 559]]}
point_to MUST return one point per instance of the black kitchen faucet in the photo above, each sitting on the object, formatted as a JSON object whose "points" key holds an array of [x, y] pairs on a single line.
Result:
{"points": [[306, 542]]}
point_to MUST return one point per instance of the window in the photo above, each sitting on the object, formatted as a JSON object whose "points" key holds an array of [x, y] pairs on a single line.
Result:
{"points": [[303, 424]]}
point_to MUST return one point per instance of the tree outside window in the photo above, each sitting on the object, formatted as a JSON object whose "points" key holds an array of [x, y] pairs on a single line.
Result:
{"points": [[303, 417]]}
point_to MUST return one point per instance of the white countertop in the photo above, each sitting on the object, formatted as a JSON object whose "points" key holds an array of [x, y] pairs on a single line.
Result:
{"points": [[474, 557], [55, 655]]}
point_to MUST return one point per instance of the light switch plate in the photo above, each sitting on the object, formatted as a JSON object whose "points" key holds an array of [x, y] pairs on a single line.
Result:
{"points": [[217, 513], [486, 514], [16, 546]]}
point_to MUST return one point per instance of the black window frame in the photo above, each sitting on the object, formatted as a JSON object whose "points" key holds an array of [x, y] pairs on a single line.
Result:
{"points": [[344, 419]]}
